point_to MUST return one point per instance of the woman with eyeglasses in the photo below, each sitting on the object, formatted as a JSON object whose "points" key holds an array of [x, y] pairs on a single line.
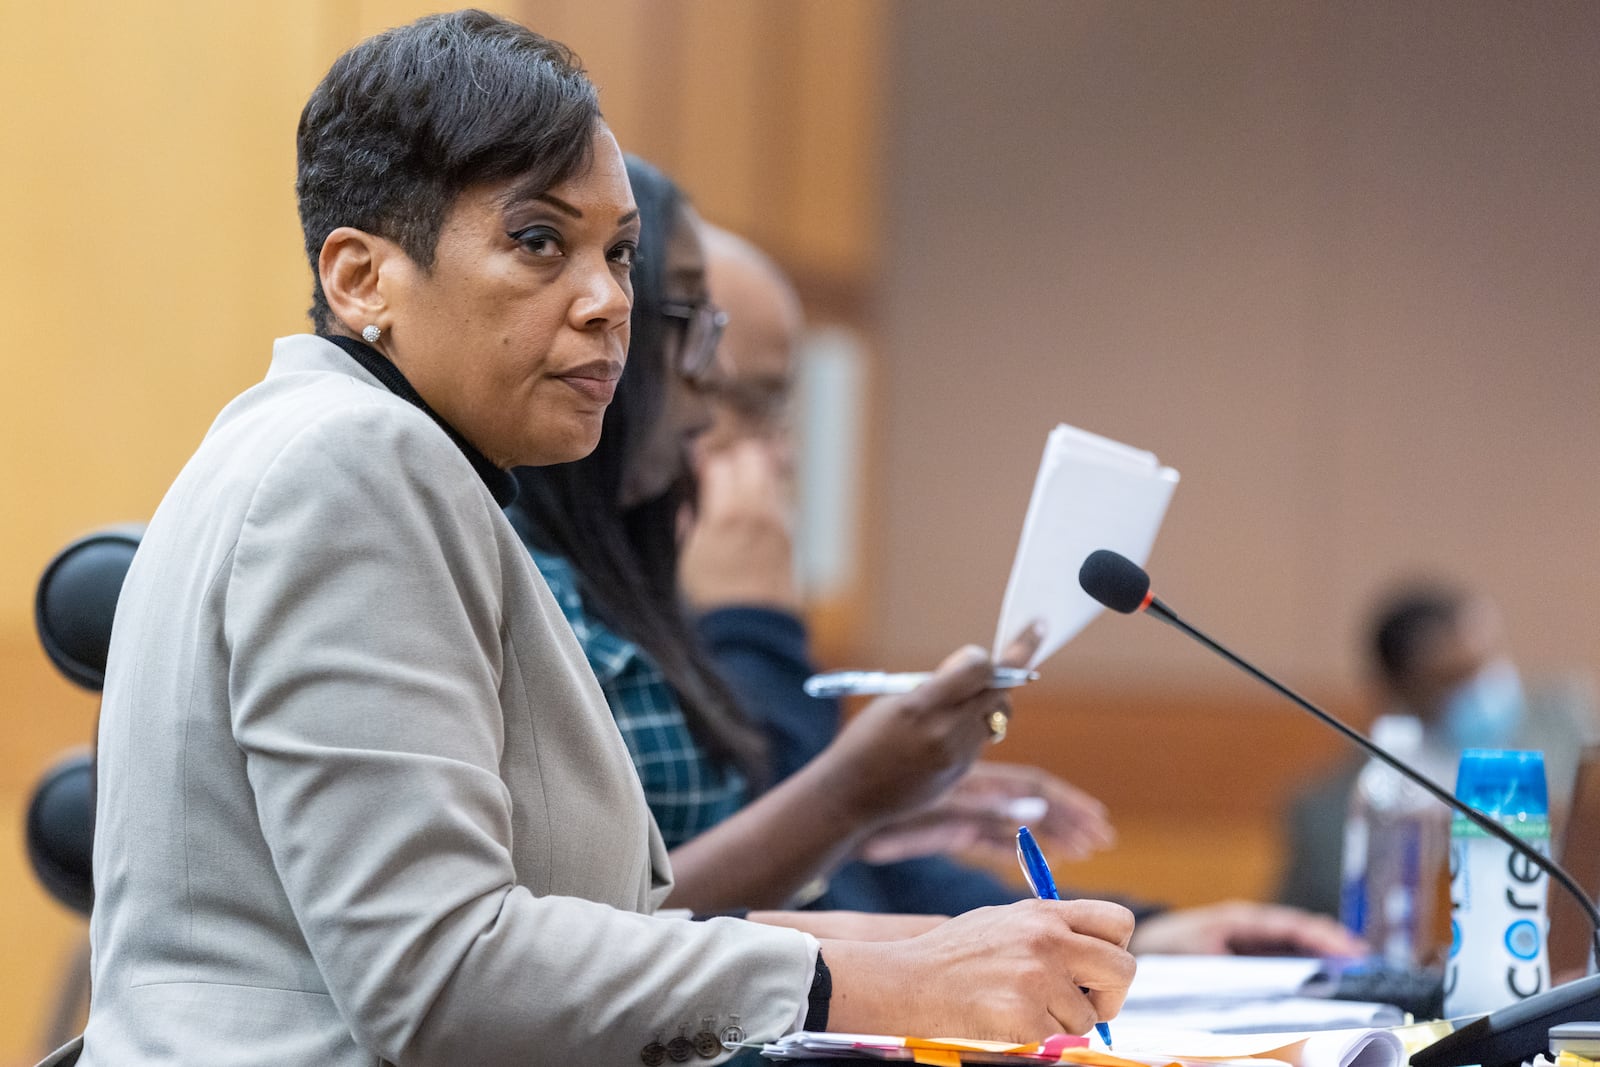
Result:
{"points": [[604, 532]]}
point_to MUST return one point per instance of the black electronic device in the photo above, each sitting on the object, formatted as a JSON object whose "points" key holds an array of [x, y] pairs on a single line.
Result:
{"points": [[1508, 1036], [1420, 992], [1515, 1034]]}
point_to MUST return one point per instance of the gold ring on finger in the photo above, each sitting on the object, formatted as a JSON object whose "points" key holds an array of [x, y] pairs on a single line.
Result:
{"points": [[998, 720]]}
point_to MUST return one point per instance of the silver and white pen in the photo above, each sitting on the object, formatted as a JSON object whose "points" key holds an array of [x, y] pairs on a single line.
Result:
{"points": [[885, 683]]}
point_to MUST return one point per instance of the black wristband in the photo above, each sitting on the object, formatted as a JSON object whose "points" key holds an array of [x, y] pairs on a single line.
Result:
{"points": [[821, 994]]}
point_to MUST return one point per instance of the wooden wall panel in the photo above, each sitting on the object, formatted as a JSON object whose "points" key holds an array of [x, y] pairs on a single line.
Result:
{"points": [[835, 146], [723, 109], [628, 47], [767, 114]]}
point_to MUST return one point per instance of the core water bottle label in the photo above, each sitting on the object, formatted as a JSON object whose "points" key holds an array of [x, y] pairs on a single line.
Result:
{"points": [[1498, 927]]}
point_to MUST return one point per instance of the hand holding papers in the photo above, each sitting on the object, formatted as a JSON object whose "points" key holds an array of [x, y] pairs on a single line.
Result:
{"points": [[1090, 492]]}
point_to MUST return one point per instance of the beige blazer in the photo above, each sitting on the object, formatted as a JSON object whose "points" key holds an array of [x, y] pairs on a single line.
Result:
{"points": [[360, 797]]}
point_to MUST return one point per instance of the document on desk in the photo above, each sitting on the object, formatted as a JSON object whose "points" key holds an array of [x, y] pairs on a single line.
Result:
{"points": [[1357, 1047], [1090, 492], [1240, 995], [1164, 982], [1276, 1016], [1136, 1047]]}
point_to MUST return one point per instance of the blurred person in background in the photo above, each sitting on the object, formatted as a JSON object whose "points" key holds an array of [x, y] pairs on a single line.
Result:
{"points": [[1439, 653], [737, 571]]}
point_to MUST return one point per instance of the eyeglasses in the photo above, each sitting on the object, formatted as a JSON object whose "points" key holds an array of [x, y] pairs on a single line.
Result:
{"points": [[703, 324]]}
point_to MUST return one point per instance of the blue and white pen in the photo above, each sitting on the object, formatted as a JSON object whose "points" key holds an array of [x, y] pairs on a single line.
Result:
{"points": [[1043, 884]]}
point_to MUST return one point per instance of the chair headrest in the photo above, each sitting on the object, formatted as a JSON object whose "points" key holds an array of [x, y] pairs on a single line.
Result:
{"points": [[60, 831], [77, 599]]}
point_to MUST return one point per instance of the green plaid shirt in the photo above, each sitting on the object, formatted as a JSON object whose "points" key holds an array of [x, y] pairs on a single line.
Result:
{"points": [[687, 791]]}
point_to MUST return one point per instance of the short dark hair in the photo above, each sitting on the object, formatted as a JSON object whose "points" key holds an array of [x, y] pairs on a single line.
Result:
{"points": [[1407, 620], [627, 559], [405, 121]]}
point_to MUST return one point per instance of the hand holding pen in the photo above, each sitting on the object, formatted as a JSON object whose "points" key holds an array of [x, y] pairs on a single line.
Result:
{"points": [[1043, 884], [1013, 973]]}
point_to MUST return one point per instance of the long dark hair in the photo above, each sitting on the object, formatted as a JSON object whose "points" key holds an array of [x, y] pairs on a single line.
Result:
{"points": [[627, 559]]}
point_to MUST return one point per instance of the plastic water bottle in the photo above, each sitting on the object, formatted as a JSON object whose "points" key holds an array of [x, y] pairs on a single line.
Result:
{"points": [[1394, 852], [1498, 922]]}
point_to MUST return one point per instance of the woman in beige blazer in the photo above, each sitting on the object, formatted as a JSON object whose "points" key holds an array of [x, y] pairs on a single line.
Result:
{"points": [[360, 798]]}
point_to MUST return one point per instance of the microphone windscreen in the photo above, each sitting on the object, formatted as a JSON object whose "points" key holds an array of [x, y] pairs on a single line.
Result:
{"points": [[1114, 580]]}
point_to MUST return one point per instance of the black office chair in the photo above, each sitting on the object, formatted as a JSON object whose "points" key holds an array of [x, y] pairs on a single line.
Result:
{"points": [[60, 831], [77, 598], [73, 609]]}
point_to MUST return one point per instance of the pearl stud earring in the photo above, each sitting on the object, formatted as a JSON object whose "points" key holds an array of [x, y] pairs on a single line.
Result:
{"points": [[371, 333]]}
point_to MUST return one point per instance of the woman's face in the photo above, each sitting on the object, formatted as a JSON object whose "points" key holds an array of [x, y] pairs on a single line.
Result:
{"points": [[660, 459], [517, 334]]}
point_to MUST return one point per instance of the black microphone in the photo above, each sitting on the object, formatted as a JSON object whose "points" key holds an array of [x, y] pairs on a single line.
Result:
{"points": [[1503, 1038]]}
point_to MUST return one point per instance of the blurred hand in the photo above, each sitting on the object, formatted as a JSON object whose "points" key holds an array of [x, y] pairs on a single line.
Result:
{"points": [[982, 810], [981, 813], [739, 548], [1031, 962], [1245, 928], [901, 752]]}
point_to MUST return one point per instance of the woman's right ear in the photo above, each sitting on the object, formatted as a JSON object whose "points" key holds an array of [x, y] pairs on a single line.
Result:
{"points": [[350, 267]]}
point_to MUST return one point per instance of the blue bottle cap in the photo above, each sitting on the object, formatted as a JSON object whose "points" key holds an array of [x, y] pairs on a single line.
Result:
{"points": [[1503, 782]]}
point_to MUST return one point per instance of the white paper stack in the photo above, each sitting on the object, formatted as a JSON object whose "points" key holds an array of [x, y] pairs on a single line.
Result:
{"points": [[1090, 492], [1154, 1047], [1355, 1047], [1239, 995]]}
